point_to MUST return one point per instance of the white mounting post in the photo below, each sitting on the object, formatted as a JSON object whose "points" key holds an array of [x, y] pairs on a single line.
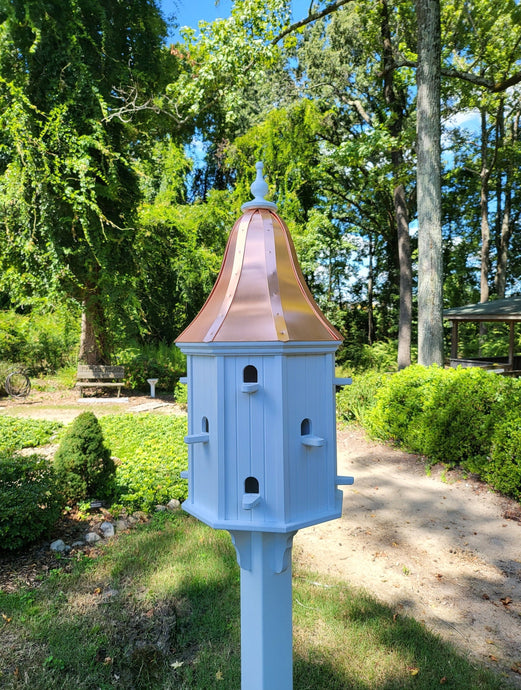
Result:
{"points": [[266, 609]]}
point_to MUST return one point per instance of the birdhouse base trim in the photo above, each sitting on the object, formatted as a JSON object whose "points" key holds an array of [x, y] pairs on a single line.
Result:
{"points": [[269, 527]]}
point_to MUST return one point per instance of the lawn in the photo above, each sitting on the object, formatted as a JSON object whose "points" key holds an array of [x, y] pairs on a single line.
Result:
{"points": [[158, 608]]}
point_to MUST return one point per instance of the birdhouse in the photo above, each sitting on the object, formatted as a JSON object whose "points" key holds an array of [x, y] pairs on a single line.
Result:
{"points": [[261, 388]]}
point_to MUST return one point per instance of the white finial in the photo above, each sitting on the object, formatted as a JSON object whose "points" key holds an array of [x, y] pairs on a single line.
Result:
{"points": [[259, 189]]}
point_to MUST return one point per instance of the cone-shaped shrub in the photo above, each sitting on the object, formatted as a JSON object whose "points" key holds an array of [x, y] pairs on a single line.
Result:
{"points": [[83, 464]]}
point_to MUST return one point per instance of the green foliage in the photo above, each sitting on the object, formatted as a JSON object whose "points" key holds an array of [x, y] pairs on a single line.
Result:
{"points": [[42, 342], [152, 454], [30, 503], [179, 249], [73, 79], [355, 401], [380, 356], [145, 361], [503, 471], [400, 405], [17, 433], [83, 463], [5, 368], [467, 417], [460, 414], [181, 393]]}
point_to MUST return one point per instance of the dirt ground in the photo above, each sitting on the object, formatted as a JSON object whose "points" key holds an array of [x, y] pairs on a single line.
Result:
{"points": [[441, 548]]}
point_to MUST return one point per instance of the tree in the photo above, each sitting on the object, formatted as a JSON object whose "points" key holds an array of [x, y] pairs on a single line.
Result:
{"points": [[68, 187], [430, 269]]}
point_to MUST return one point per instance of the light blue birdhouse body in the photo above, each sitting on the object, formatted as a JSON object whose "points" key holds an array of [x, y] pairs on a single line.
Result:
{"points": [[262, 441], [261, 388]]}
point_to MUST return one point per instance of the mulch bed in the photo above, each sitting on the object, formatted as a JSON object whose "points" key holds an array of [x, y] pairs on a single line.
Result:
{"points": [[26, 566]]}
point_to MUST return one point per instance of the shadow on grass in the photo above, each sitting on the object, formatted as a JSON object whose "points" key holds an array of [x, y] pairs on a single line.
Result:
{"points": [[160, 609]]}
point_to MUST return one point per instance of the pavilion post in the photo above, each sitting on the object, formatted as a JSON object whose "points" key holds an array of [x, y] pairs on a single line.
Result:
{"points": [[511, 346], [454, 341]]}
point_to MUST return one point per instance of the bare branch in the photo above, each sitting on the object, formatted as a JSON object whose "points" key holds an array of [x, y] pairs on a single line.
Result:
{"points": [[131, 106], [312, 16], [476, 79]]}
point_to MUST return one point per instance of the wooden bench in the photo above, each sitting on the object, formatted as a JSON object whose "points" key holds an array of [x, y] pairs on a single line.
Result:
{"points": [[99, 376]]}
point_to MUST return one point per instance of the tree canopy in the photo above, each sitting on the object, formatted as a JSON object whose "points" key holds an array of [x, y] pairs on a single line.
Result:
{"points": [[124, 160]]}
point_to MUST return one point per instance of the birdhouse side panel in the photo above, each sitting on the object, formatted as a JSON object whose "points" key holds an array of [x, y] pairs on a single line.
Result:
{"points": [[250, 392], [276, 488], [203, 436], [311, 436]]}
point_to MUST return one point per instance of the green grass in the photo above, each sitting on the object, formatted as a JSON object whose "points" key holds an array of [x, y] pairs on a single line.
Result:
{"points": [[159, 609]]}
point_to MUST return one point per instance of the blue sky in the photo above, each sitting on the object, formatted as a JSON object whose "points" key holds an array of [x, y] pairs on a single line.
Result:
{"points": [[190, 12]]}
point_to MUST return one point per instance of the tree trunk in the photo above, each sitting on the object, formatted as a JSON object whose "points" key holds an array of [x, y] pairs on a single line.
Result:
{"points": [[370, 291], [396, 100], [404, 260], [94, 346], [504, 241], [430, 263], [483, 203], [505, 232]]}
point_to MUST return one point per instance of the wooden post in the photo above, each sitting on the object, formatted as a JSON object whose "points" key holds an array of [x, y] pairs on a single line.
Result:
{"points": [[511, 346], [454, 341]]}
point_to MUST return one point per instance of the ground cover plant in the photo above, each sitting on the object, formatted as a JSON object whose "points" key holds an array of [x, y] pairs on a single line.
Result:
{"points": [[17, 433], [150, 452], [158, 608], [151, 455]]}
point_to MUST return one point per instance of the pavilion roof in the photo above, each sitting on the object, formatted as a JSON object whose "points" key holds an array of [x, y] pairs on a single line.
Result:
{"points": [[508, 309]]}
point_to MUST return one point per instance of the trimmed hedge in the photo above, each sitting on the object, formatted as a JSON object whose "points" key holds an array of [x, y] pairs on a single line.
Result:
{"points": [[29, 501], [466, 417]]}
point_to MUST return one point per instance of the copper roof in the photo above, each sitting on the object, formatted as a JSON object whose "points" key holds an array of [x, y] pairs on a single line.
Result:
{"points": [[260, 294]]}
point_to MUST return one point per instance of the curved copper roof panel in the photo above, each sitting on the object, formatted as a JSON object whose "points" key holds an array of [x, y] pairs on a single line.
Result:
{"points": [[260, 294]]}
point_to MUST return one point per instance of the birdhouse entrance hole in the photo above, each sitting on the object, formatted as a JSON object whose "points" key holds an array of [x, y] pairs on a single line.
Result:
{"points": [[251, 485], [249, 374], [305, 427]]}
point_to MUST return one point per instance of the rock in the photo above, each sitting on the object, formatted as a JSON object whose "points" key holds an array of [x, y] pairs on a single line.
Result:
{"points": [[107, 529], [92, 538], [140, 516], [174, 504], [121, 525], [160, 509], [77, 544], [59, 546]]}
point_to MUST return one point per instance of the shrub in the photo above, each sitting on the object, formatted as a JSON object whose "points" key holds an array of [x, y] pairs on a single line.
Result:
{"points": [[83, 463], [400, 404], [354, 401], [503, 471], [29, 501], [5, 368], [42, 342], [181, 393], [459, 417], [142, 362]]}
